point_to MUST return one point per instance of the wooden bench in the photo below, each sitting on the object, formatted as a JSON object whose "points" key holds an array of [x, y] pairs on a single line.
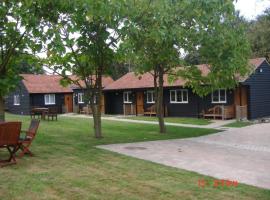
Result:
{"points": [[220, 111], [86, 110], [150, 110]]}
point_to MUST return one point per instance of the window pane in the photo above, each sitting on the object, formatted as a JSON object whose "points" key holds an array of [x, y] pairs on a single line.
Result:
{"points": [[222, 95], [179, 96], [216, 96], [46, 99], [52, 98], [172, 95], [16, 100], [127, 97], [79, 97], [185, 96], [150, 96], [153, 96]]}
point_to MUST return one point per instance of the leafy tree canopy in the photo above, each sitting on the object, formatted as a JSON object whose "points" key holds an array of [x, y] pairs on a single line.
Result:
{"points": [[258, 34], [29, 64], [162, 32], [20, 33], [84, 41]]}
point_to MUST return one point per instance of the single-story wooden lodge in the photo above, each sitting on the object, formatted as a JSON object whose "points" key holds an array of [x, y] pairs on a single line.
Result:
{"points": [[46, 91], [133, 94]]}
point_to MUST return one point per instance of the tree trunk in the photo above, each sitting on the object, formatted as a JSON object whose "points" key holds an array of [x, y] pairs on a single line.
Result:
{"points": [[2, 109], [96, 107], [97, 121], [159, 105]]}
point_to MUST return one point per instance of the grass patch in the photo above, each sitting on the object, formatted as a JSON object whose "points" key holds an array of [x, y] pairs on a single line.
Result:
{"points": [[238, 124], [180, 120], [67, 165]]}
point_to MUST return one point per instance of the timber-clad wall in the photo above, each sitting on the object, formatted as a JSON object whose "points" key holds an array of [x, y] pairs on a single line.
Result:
{"points": [[114, 102], [23, 108], [81, 105], [259, 92], [37, 100]]}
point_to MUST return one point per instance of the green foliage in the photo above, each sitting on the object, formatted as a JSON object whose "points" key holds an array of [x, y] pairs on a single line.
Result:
{"points": [[84, 38], [28, 64], [152, 32], [220, 42], [162, 32], [84, 42], [258, 35], [118, 69], [20, 31]]}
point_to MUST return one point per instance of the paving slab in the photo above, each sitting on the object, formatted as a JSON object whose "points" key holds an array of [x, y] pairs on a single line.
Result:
{"points": [[241, 154]]}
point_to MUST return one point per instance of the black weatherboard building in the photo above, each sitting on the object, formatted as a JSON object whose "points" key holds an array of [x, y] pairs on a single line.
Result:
{"points": [[39, 91], [46, 91], [133, 94]]}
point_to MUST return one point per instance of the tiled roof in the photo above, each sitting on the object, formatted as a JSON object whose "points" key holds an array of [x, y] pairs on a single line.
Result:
{"points": [[44, 84], [256, 62], [132, 81], [50, 83], [106, 80]]}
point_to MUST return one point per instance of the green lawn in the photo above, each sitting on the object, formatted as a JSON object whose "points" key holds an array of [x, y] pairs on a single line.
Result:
{"points": [[238, 124], [181, 120], [68, 166]]}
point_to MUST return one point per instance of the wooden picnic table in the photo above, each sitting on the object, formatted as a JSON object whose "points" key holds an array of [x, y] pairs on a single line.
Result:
{"points": [[41, 110]]}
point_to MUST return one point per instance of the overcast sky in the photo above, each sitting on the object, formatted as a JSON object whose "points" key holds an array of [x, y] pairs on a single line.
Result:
{"points": [[251, 8]]}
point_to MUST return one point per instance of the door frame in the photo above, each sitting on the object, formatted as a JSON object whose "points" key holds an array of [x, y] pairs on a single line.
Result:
{"points": [[142, 95], [68, 109]]}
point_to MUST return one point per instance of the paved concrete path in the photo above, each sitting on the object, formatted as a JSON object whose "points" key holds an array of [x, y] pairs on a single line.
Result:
{"points": [[216, 124], [238, 154]]}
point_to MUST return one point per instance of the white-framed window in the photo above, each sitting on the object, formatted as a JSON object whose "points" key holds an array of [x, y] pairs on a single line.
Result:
{"points": [[16, 100], [179, 96], [219, 96], [150, 96], [49, 99], [127, 97], [80, 98]]}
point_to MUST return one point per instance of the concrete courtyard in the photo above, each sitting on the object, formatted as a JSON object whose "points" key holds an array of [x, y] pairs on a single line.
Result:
{"points": [[241, 154]]}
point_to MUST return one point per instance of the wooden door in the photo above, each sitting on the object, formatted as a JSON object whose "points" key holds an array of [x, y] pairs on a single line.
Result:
{"points": [[69, 102], [244, 100], [139, 103], [240, 97], [241, 102]]}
